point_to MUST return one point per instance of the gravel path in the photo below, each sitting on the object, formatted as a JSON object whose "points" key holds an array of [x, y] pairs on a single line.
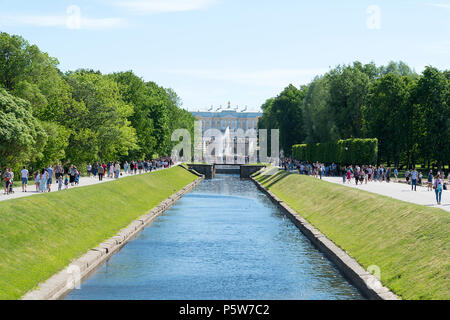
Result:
{"points": [[400, 191]]}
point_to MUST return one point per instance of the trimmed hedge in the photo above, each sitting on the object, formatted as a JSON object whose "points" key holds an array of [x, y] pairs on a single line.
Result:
{"points": [[350, 151]]}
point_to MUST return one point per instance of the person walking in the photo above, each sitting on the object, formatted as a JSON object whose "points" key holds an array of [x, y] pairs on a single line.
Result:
{"points": [[95, 169], [430, 181], [141, 166], [108, 172], [438, 187], [388, 175], [104, 169], [407, 175], [414, 175], [72, 173], [50, 177], [349, 175], [111, 171], [396, 174], [66, 182], [101, 172], [89, 169], [43, 182], [37, 180], [59, 171], [24, 176], [60, 183], [6, 180], [77, 177], [117, 169]]}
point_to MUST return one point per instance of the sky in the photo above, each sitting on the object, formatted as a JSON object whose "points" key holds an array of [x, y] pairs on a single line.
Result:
{"points": [[243, 51]]}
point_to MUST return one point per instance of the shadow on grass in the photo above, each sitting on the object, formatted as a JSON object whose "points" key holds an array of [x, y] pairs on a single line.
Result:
{"points": [[269, 181], [267, 176]]}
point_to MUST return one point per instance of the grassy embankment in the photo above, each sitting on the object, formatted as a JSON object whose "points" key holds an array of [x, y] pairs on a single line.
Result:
{"points": [[410, 243], [41, 234]]}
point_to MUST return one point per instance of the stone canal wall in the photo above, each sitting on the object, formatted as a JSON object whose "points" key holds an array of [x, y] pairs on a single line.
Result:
{"points": [[208, 170], [366, 283], [59, 285], [247, 171]]}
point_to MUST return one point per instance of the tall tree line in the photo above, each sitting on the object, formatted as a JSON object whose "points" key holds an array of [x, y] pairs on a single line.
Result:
{"points": [[408, 113], [79, 116]]}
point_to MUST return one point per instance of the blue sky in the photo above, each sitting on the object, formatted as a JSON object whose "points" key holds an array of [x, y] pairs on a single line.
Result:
{"points": [[214, 51]]}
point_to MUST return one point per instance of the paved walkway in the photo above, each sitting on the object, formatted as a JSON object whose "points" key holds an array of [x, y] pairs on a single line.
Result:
{"points": [[84, 181], [400, 191]]}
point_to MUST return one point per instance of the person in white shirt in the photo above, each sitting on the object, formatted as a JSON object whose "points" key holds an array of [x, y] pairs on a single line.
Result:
{"points": [[24, 176]]}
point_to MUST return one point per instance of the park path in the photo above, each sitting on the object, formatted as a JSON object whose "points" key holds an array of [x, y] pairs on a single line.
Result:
{"points": [[400, 191], [84, 181]]}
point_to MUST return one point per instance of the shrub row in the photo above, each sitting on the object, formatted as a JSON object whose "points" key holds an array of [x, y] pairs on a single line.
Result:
{"points": [[345, 152]]}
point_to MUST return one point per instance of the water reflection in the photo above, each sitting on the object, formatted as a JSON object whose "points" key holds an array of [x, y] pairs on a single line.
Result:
{"points": [[224, 240]]}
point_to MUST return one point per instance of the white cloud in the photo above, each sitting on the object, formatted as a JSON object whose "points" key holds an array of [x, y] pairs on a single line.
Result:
{"points": [[61, 21], [159, 6], [272, 78], [440, 5]]}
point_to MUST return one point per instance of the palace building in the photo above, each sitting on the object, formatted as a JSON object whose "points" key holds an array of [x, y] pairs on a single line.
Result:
{"points": [[223, 118]]}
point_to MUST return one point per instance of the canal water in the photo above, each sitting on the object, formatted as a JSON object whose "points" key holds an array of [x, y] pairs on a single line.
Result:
{"points": [[224, 240]]}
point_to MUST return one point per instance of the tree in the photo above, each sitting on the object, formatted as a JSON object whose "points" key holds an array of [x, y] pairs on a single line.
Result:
{"points": [[135, 92], [287, 110], [21, 135], [387, 115], [349, 86], [432, 98], [318, 121], [13, 59], [102, 130]]}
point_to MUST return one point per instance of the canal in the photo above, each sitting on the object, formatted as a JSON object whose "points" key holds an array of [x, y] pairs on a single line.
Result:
{"points": [[224, 240]]}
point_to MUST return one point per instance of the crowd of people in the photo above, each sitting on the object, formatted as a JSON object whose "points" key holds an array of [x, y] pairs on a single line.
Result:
{"points": [[70, 175], [367, 173]]}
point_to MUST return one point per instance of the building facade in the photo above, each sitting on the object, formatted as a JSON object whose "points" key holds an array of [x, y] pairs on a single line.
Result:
{"points": [[233, 119], [237, 142]]}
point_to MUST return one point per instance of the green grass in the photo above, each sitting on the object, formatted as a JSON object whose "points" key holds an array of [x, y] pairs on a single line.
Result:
{"points": [[40, 235], [410, 243]]}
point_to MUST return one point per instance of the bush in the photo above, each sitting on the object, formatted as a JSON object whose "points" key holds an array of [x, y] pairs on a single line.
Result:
{"points": [[350, 151]]}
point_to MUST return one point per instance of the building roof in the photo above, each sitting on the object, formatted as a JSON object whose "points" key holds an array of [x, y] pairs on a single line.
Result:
{"points": [[227, 114]]}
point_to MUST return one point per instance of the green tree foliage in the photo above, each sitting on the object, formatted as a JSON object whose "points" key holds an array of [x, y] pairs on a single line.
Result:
{"points": [[135, 92], [319, 125], [80, 116], [157, 113], [178, 117], [431, 95], [21, 135], [54, 148], [388, 115], [348, 88], [407, 113], [103, 122], [285, 113]]}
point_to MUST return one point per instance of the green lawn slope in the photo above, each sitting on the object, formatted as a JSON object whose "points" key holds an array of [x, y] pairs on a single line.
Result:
{"points": [[410, 243], [41, 234]]}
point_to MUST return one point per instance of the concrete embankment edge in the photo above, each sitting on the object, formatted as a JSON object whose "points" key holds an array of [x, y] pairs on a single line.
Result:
{"points": [[59, 285], [363, 280]]}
